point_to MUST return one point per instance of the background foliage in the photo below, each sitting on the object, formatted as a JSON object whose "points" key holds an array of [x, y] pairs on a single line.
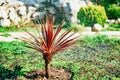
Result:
{"points": [[59, 12], [112, 7], [90, 15], [113, 12]]}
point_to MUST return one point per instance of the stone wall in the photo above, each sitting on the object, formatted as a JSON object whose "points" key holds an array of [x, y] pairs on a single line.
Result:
{"points": [[16, 11]]}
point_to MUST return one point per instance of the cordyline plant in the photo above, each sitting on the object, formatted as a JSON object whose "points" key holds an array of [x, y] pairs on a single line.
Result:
{"points": [[50, 41]]}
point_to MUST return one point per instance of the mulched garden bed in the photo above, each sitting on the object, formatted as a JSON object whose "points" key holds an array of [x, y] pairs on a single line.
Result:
{"points": [[55, 74]]}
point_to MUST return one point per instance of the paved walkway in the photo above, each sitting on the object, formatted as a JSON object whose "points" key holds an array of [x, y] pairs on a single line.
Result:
{"points": [[108, 33], [15, 35]]}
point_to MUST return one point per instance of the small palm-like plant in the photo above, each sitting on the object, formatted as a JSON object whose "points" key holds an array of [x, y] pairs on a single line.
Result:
{"points": [[50, 41]]}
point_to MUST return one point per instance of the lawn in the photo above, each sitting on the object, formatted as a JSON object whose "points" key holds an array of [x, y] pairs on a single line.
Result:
{"points": [[112, 27], [91, 58], [15, 29]]}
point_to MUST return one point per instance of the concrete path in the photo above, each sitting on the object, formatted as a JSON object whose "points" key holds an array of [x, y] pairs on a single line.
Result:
{"points": [[108, 33], [15, 35]]}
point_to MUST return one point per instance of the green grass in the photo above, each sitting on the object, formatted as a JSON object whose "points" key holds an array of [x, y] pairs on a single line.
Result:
{"points": [[15, 29], [76, 27], [91, 58], [22, 29], [5, 34], [112, 27]]}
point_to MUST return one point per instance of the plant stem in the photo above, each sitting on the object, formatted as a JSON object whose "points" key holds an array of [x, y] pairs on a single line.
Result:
{"points": [[47, 59], [47, 70]]}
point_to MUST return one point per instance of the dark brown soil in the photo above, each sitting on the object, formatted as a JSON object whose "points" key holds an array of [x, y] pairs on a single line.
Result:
{"points": [[55, 74]]}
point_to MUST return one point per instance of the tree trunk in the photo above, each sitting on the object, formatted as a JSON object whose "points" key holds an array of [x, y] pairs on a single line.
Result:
{"points": [[47, 58], [47, 69]]}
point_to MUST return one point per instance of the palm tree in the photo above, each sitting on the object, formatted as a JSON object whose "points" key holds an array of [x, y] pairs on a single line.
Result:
{"points": [[50, 41]]}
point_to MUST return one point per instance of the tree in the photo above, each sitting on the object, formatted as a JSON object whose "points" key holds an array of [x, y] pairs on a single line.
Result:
{"points": [[106, 2], [49, 43], [59, 12]]}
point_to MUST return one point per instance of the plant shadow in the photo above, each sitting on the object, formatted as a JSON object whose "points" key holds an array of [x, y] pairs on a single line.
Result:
{"points": [[10, 74], [34, 74]]}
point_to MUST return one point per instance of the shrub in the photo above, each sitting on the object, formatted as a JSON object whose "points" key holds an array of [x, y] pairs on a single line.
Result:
{"points": [[113, 12], [59, 13], [106, 2], [111, 6], [90, 15]]}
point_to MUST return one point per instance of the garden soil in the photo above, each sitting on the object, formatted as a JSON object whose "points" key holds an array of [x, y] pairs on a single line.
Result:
{"points": [[55, 74]]}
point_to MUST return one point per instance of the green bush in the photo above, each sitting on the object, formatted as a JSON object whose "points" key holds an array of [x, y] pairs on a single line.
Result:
{"points": [[113, 12], [106, 3], [111, 7], [90, 15]]}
